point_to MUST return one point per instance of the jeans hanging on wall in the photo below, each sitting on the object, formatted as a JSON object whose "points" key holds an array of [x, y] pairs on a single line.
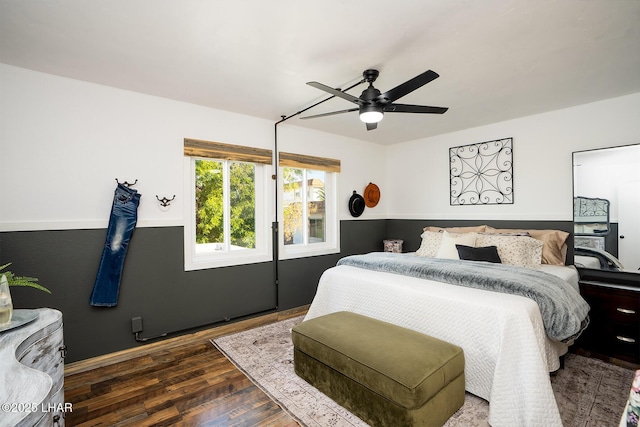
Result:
{"points": [[124, 214]]}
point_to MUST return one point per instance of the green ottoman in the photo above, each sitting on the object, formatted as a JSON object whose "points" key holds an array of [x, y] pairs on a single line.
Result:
{"points": [[385, 374]]}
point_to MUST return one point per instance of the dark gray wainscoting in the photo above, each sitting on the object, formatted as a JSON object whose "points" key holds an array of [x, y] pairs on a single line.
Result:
{"points": [[169, 300], [299, 277], [155, 286]]}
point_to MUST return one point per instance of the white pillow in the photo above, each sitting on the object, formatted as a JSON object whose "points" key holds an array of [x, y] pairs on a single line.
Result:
{"points": [[449, 241]]}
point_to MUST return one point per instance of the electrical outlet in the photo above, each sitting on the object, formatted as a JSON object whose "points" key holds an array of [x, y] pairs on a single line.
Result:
{"points": [[136, 324]]}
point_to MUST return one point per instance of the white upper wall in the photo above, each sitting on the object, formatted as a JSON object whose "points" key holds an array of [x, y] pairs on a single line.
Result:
{"points": [[542, 162], [63, 143]]}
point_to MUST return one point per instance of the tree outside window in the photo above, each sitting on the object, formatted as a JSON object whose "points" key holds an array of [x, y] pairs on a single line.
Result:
{"points": [[304, 211], [225, 204]]}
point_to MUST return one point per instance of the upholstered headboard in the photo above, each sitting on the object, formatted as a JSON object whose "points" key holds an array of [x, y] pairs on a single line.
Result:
{"points": [[410, 230]]}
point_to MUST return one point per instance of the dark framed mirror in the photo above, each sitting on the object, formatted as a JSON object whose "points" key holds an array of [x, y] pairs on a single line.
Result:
{"points": [[606, 200]]}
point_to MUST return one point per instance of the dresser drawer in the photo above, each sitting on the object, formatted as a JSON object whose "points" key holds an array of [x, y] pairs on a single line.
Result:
{"points": [[621, 308], [54, 411], [622, 314], [46, 355], [617, 305], [625, 340], [619, 341]]}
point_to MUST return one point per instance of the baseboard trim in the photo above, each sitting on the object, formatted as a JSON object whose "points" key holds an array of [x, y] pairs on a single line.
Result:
{"points": [[608, 359], [204, 335]]}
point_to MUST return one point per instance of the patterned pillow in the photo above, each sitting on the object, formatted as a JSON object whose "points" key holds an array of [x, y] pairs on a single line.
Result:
{"points": [[430, 244], [522, 251], [554, 249]]}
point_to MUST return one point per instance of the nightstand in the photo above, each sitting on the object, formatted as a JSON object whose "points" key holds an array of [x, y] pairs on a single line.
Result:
{"points": [[614, 330], [32, 372]]}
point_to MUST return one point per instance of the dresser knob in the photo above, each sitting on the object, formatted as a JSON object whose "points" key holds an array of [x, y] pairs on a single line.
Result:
{"points": [[63, 351], [625, 339], [626, 310]]}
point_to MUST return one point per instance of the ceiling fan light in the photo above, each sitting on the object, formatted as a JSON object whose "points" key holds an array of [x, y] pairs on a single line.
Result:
{"points": [[372, 116]]}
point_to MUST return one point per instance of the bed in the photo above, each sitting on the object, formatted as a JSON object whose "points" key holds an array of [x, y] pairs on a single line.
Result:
{"points": [[508, 352], [593, 258]]}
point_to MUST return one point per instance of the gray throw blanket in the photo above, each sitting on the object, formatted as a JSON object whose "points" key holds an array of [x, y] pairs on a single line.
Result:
{"points": [[564, 311]]}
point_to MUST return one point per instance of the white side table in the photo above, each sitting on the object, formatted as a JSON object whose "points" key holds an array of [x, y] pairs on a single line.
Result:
{"points": [[32, 372]]}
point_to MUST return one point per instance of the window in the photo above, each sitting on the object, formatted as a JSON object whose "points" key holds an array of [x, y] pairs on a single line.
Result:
{"points": [[303, 207], [225, 221], [225, 206], [309, 216]]}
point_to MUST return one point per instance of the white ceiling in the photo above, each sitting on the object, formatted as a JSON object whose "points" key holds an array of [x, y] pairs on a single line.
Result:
{"points": [[497, 59]]}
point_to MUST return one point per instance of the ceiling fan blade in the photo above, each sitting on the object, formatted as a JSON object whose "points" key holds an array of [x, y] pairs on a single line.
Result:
{"points": [[406, 108], [372, 126], [334, 92], [330, 114], [407, 87]]}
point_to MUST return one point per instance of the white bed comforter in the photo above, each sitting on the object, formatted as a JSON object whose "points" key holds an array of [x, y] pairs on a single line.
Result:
{"points": [[508, 356]]}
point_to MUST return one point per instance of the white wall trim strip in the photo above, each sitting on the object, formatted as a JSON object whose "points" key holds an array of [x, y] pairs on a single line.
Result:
{"points": [[80, 225]]}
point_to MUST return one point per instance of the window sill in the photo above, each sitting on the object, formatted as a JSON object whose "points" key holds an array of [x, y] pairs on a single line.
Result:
{"points": [[307, 252], [225, 261]]}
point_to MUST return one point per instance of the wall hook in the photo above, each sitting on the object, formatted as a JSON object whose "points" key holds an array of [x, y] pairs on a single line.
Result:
{"points": [[128, 184], [164, 201]]}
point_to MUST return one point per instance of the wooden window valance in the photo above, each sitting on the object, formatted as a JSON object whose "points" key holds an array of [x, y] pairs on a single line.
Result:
{"points": [[292, 160], [218, 150]]}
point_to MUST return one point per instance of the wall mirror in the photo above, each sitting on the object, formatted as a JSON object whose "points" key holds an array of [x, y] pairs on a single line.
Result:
{"points": [[606, 208]]}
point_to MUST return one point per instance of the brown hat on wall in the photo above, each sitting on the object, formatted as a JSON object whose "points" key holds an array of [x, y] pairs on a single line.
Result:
{"points": [[371, 195]]}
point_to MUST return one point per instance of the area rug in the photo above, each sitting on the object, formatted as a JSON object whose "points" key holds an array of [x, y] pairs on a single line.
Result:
{"points": [[589, 392]]}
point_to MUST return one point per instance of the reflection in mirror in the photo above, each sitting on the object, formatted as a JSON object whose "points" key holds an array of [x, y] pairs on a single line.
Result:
{"points": [[606, 188], [591, 216]]}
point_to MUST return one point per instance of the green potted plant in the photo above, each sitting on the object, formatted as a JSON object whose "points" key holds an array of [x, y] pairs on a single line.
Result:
{"points": [[7, 279], [14, 280]]}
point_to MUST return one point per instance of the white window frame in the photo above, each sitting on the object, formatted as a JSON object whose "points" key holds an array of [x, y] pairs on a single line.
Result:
{"points": [[331, 245], [198, 259]]}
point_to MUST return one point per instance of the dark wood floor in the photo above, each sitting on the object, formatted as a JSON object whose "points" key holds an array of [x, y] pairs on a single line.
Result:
{"points": [[185, 385], [185, 381]]}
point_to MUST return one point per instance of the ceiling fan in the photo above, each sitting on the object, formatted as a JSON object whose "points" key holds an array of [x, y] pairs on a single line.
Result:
{"points": [[372, 104]]}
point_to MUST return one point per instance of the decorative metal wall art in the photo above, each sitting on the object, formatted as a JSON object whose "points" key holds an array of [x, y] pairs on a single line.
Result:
{"points": [[587, 208], [482, 174], [590, 216]]}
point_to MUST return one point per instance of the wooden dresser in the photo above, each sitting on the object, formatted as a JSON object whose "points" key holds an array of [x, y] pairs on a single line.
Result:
{"points": [[32, 372], [614, 331]]}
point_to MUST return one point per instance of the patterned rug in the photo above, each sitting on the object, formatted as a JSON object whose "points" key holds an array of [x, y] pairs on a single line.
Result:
{"points": [[589, 392]]}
